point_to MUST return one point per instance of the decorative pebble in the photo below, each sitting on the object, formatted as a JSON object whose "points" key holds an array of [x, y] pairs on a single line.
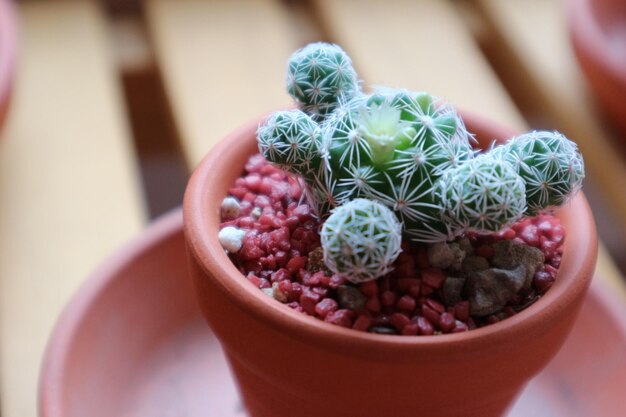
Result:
{"points": [[474, 264], [440, 255], [230, 208], [256, 213], [382, 330], [452, 289], [490, 290], [351, 298], [231, 239]]}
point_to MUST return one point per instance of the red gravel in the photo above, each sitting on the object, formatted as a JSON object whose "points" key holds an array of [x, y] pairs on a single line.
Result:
{"points": [[281, 232]]}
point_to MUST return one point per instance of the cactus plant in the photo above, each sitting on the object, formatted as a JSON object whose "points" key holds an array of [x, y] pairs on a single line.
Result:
{"points": [[549, 164], [361, 240], [410, 152]]}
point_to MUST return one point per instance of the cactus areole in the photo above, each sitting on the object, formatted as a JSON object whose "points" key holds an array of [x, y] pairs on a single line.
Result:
{"points": [[408, 156]]}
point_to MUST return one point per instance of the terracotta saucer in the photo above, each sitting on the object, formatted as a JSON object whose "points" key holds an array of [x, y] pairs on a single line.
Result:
{"points": [[132, 343], [598, 32]]}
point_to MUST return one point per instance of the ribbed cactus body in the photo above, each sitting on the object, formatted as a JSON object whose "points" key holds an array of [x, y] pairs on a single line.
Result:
{"points": [[482, 195], [291, 140], [361, 240], [550, 165], [392, 146], [319, 76]]}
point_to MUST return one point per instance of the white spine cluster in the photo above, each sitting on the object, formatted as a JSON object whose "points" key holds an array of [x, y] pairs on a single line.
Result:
{"points": [[482, 195], [361, 240], [290, 140], [319, 76], [549, 163]]}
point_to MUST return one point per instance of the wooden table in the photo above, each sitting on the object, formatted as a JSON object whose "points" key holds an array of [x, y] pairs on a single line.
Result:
{"points": [[70, 183]]}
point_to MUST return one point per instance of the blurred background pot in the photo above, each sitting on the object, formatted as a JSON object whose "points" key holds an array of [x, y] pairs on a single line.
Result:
{"points": [[598, 32], [291, 365], [8, 45]]}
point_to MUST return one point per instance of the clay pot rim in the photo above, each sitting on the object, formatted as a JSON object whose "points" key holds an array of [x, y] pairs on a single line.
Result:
{"points": [[590, 42], [8, 47], [201, 225]]}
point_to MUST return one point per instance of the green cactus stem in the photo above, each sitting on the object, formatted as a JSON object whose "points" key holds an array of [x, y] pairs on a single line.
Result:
{"points": [[550, 164], [319, 77], [361, 240], [483, 195], [291, 140]]}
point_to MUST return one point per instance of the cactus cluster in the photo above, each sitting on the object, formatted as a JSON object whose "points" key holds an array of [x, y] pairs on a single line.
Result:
{"points": [[411, 153]]}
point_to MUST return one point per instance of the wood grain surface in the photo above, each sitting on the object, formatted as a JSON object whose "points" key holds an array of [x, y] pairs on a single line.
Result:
{"points": [[68, 186]]}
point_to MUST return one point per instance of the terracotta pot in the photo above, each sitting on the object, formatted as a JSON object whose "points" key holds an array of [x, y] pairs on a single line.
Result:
{"points": [[8, 45], [291, 365], [598, 32]]}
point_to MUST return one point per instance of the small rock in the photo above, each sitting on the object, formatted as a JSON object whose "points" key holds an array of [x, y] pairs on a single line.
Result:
{"points": [[350, 298], [452, 289], [382, 330], [315, 261], [473, 264], [231, 238], [444, 255], [489, 290], [230, 208], [466, 245], [268, 291], [509, 254], [256, 212], [459, 256], [278, 294]]}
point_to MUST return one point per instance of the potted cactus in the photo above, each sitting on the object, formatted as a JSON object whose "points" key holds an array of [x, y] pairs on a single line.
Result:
{"points": [[374, 212]]}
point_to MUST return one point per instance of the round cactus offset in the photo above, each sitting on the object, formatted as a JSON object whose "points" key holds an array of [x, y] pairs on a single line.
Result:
{"points": [[482, 195], [291, 140], [550, 165], [361, 240], [319, 77]]}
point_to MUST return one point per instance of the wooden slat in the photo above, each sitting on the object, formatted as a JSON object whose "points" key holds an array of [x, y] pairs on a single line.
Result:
{"points": [[532, 37], [68, 188], [223, 62], [423, 44]]}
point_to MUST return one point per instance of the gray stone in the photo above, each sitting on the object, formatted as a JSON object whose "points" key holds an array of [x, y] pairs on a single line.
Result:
{"points": [[350, 298], [473, 264], [445, 255], [489, 290], [465, 245], [509, 254], [452, 289], [459, 256], [315, 262]]}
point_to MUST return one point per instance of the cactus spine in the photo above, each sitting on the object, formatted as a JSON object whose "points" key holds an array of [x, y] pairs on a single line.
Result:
{"points": [[319, 77], [550, 165], [361, 240], [482, 195]]}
